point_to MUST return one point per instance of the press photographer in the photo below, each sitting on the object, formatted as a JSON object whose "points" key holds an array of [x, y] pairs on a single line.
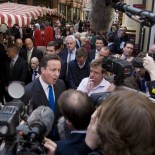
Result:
{"points": [[139, 78]]}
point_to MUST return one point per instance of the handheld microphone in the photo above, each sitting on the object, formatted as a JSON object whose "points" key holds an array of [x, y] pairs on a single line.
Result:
{"points": [[41, 120]]}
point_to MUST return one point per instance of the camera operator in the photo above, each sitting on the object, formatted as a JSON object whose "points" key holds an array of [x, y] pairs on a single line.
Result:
{"points": [[140, 76], [149, 65]]}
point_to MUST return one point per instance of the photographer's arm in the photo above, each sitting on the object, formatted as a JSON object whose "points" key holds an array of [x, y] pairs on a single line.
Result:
{"points": [[149, 65], [50, 146]]}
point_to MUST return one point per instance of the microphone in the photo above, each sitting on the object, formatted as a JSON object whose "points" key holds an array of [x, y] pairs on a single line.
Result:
{"points": [[101, 15], [41, 120], [149, 16]]}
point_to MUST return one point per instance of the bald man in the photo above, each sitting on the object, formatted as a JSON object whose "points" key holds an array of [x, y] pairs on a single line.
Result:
{"points": [[30, 51], [19, 43], [104, 52], [35, 73]]}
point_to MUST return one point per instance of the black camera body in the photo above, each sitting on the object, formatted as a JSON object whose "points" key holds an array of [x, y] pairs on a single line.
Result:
{"points": [[120, 68]]}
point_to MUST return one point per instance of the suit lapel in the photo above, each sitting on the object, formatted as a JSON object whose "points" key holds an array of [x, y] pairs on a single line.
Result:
{"points": [[41, 94]]}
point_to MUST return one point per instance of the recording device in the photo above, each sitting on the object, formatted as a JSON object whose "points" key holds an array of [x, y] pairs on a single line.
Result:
{"points": [[101, 19], [10, 116], [27, 138], [31, 135], [145, 16], [120, 68]]}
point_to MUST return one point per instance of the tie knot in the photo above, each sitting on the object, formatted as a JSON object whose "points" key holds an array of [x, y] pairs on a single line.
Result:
{"points": [[50, 87]]}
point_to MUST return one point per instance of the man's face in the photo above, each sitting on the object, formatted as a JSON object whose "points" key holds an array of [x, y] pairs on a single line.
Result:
{"points": [[29, 44], [81, 60], [10, 52], [103, 53], [96, 75], [51, 73], [50, 50], [140, 72], [19, 43], [99, 44], [78, 37], [128, 49], [71, 44], [152, 49], [121, 33], [34, 64]]}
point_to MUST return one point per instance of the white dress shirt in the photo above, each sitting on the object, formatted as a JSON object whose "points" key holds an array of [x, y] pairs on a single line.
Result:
{"points": [[102, 87]]}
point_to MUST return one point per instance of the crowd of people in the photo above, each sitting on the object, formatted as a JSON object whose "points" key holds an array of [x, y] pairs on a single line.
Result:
{"points": [[63, 70]]}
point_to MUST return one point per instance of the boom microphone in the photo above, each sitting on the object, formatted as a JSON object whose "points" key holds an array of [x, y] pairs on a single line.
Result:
{"points": [[101, 14], [123, 7], [42, 118]]}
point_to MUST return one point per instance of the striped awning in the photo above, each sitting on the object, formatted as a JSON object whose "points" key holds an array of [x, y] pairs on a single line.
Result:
{"points": [[13, 13], [25, 10], [11, 19]]}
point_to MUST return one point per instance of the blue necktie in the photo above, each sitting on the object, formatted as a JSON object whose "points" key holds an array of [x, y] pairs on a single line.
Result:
{"points": [[51, 97]]}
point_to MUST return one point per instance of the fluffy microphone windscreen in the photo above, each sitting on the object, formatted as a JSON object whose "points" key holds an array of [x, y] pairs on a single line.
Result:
{"points": [[44, 115], [101, 15]]}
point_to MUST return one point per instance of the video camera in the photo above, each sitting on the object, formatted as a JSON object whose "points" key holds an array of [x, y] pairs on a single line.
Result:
{"points": [[120, 68], [27, 138]]}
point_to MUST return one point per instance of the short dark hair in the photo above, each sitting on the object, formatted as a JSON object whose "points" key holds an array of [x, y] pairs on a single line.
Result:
{"points": [[14, 47], [129, 42], [103, 40], [77, 107], [81, 52], [53, 43], [47, 58], [126, 124]]}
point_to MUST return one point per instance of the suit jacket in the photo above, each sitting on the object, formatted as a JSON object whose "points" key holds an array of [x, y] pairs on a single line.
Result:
{"points": [[34, 91], [91, 55], [19, 71], [63, 70], [64, 54], [35, 53], [73, 146]]}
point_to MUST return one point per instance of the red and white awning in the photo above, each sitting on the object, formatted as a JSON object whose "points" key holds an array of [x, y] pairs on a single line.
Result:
{"points": [[25, 10], [13, 13], [11, 19]]}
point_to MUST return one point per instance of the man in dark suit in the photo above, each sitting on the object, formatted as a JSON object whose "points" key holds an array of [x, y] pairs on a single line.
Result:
{"points": [[30, 51], [100, 42], [40, 89], [69, 53], [16, 69], [78, 68], [35, 72], [77, 115], [3, 59], [52, 48]]}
